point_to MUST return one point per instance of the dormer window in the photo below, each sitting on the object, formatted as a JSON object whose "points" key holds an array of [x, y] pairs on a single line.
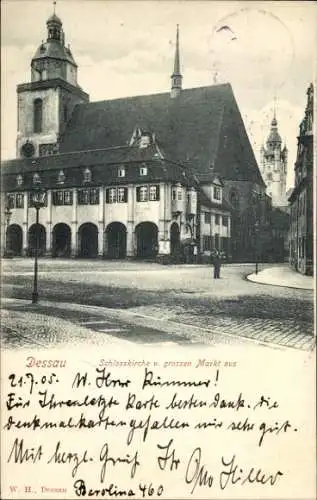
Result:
{"points": [[121, 172], [87, 175], [61, 177], [217, 193], [145, 141], [143, 170], [19, 180], [36, 179]]}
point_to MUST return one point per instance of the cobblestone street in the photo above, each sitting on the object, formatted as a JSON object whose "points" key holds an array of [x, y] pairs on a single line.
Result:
{"points": [[146, 303]]}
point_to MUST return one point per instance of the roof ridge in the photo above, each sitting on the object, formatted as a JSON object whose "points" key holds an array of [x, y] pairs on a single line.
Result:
{"points": [[167, 93]]}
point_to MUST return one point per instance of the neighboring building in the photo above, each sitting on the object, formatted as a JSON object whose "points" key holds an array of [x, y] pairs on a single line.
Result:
{"points": [[215, 219], [137, 177], [301, 199], [273, 166]]}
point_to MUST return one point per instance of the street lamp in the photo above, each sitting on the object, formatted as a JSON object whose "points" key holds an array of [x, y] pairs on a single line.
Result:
{"points": [[7, 216], [256, 229], [38, 201]]}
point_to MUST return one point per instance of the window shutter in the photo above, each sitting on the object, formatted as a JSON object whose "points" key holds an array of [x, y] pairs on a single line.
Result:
{"points": [[158, 193], [107, 195], [137, 194], [125, 195]]}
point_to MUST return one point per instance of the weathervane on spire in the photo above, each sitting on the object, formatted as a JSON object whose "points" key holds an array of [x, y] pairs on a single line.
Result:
{"points": [[54, 6], [274, 108]]}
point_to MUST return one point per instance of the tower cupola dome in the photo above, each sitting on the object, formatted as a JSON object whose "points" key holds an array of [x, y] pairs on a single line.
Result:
{"points": [[54, 28], [53, 59]]}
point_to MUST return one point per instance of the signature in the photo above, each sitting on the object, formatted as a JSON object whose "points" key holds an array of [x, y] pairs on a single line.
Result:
{"points": [[231, 474]]}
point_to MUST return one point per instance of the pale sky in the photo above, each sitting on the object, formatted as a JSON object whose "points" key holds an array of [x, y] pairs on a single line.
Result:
{"points": [[126, 48]]}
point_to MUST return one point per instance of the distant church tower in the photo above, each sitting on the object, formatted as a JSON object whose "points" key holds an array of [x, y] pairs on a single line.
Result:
{"points": [[46, 103], [273, 166]]}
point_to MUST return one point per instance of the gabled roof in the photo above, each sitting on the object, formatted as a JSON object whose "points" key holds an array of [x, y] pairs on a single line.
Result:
{"points": [[201, 127]]}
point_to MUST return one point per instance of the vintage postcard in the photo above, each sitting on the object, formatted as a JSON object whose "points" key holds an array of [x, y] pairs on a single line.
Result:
{"points": [[157, 249]]}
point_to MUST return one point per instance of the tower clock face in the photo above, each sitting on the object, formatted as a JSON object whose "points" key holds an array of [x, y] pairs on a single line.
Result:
{"points": [[28, 149]]}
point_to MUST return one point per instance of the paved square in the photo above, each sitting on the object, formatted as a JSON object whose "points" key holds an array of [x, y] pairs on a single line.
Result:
{"points": [[149, 303]]}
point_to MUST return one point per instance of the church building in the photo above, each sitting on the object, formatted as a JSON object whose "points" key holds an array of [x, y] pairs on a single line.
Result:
{"points": [[148, 176]]}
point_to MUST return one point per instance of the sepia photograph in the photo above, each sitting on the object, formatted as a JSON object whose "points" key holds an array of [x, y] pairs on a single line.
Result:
{"points": [[157, 218], [157, 177]]}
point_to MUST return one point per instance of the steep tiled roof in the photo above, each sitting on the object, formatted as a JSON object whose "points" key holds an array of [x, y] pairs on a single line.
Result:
{"points": [[202, 127], [200, 131], [104, 165]]}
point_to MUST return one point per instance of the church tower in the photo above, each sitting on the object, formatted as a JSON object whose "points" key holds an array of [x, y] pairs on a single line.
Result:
{"points": [[273, 166], [46, 103]]}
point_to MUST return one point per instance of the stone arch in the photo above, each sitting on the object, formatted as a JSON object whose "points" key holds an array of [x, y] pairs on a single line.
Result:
{"points": [[62, 236], [116, 240], [37, 232], [14, 240], [88, 240], [146, 240]]}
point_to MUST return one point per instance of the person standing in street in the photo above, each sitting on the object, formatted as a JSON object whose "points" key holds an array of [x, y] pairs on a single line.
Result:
{"points": [[195, 253], [217, 264]]}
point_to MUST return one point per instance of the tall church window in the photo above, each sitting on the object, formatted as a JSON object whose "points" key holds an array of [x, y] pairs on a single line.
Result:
{"points": [[38, 115]]}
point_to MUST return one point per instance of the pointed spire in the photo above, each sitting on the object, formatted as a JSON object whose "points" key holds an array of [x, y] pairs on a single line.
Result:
{"points": [[274, 139], [176, 76], [176, 60]]}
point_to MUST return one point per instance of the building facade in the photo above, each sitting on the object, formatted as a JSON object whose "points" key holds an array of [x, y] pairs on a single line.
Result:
{"points": [[301, 199], [143, 176]]}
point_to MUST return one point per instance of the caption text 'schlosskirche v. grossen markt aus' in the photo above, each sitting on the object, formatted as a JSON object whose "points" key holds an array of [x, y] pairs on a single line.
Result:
{"points": [[149, 176]]}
